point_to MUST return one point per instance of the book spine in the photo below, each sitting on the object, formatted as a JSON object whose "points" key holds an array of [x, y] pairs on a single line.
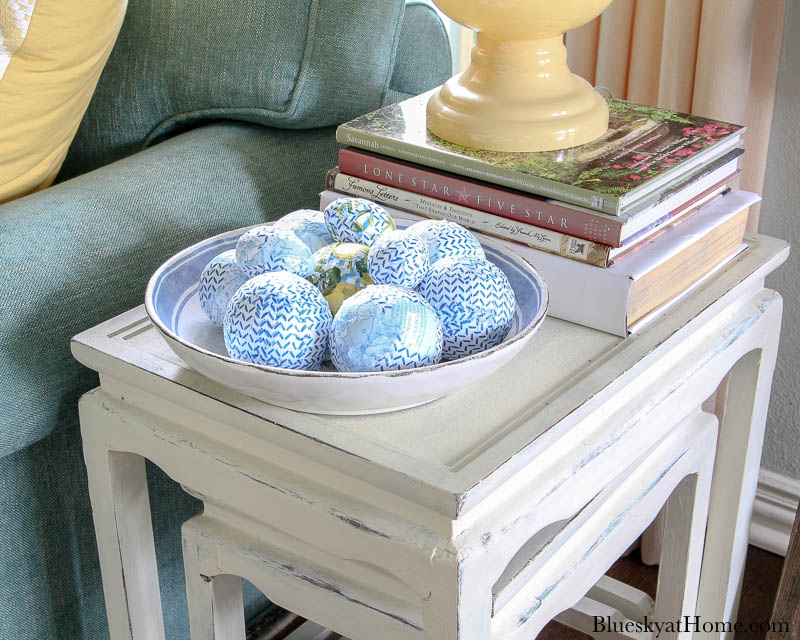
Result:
{"points": [[520, 232], [598, 228], [477, 169]]}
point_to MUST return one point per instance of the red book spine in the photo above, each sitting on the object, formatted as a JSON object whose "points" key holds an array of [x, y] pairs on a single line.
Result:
{"points": [[507, 204]]}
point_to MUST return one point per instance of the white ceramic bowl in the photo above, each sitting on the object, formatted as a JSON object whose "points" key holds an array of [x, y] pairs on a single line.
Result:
{"points": [[173, 305]]}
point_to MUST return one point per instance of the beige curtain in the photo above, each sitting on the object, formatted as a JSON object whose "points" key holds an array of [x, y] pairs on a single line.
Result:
{"points": [[715, 58]]}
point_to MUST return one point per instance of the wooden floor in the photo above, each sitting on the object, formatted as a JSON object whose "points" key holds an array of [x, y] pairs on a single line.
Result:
{"points": [[761, 575]]}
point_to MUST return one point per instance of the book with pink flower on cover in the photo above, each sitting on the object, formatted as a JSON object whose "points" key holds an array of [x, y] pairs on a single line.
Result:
{"points": [[644, 150]]}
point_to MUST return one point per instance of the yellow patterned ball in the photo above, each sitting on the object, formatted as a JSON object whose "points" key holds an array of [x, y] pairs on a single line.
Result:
{"points": [[341, 271]]}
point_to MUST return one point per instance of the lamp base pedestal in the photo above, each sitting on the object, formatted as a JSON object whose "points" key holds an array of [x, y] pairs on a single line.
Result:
{"points": [[518, 96]]}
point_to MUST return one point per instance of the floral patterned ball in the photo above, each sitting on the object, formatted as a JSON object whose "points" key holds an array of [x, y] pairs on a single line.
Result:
{"points": [[271, 248], [398, 257], [384, 328], [474, 301], [308, 225], [357, 220], [340, 271], [446, 239], [218, 282]]}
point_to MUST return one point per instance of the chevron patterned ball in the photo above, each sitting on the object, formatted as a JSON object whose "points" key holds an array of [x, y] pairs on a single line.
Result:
{"points": [[446, 239], [341, 270], [278, 319], [475, 303], [398, 257], [384, 328], [308, 225], [270, 248], [357, 220], [218, 282]]}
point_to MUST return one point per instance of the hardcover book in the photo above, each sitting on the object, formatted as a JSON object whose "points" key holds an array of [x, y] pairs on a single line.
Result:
{"points": [[630, 293], [644, 149], [602, 228], [537, 237], [544, 239]]}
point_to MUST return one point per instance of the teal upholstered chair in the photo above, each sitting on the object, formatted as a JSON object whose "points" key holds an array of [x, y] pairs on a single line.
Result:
{"points": [[210, 115]]}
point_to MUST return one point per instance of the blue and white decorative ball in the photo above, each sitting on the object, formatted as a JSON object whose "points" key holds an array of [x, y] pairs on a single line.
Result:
{"points": [[398, 257], [357, 220], [280, 320], [474, 301], [218, 282], [384, 328], [446, 239], [308, 225], [271, 248]]}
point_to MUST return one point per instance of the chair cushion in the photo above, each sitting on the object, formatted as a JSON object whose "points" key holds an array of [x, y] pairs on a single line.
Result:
{"points": [[423, 58], [82, 251], [282, 63], [51, 56]]}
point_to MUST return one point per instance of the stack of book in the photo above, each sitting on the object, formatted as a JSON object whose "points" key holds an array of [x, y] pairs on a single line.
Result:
{"points": [[620, 227]]}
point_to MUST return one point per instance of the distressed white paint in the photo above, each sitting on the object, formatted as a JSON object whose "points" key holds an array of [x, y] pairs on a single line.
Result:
{"points": [[384, 519], [219, 543], [121, 509], [632, 603], [216, 609]]}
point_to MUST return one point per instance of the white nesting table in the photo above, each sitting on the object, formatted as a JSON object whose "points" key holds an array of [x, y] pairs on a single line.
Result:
{"points": [[415, 500]]}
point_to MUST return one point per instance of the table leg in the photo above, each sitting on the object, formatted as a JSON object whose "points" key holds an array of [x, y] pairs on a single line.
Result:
{"points": [[123, 526], [216, 610], [744, 412], [681, 552]]}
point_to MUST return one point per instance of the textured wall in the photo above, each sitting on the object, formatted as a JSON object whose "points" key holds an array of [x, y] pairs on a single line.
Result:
{"points": [[780, 213]]}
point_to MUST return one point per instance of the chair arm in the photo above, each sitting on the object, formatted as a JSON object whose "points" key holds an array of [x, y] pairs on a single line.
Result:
{"points": [[82, 251]]}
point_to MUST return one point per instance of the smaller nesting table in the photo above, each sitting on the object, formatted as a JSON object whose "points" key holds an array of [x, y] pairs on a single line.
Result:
{"points": [[455, 520]]}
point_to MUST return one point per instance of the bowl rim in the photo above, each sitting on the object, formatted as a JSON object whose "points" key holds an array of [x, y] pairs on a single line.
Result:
{"points": [[305, 373]]}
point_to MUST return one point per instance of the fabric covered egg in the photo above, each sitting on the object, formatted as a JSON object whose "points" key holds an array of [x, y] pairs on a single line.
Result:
{"points": [[384, 328], [218, 282], [271, 248], [446, 239], [308, 225], [278, 319], [398, 257], [474, 301], [340, 271], [357, 220]]}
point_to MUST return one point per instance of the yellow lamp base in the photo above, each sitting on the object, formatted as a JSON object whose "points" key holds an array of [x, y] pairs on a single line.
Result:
{"points": [[518, 96]]}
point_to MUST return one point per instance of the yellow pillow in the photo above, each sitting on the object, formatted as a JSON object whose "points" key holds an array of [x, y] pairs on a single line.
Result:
{"points": [[51, 55]]}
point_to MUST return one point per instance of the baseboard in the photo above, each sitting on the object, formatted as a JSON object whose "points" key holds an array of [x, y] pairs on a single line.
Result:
{"points": [[774, 510]]}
